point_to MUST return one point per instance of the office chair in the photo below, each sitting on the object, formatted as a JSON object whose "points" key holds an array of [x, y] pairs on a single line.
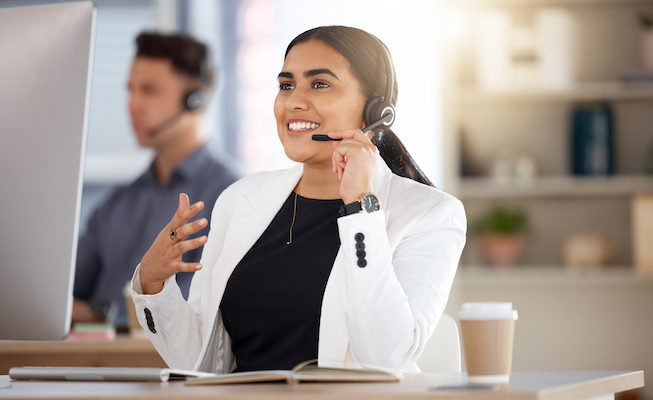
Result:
{"points": [[442, 351]]}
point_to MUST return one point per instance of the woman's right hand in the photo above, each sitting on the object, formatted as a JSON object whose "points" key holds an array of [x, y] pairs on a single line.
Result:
{"points": [[163, 259]]}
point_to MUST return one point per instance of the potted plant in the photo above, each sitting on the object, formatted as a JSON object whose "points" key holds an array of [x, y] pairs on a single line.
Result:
{"points": [[501, 234]]}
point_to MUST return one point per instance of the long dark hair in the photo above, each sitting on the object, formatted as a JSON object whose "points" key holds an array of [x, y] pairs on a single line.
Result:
{"points": [[365, 54]]}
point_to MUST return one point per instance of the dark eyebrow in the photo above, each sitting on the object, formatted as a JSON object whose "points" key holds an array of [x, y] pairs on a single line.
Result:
{"points": [[309, 73], [320, 71]]}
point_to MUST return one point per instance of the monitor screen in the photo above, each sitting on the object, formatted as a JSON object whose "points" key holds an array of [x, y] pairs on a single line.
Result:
{"points": [[46, 55]]}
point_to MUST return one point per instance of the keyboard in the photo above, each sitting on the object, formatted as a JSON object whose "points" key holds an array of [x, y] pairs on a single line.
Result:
{"points": [[102, 374]]}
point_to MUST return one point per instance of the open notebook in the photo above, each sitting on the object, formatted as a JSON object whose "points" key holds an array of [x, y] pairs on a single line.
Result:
{"points": [[306, 371]]}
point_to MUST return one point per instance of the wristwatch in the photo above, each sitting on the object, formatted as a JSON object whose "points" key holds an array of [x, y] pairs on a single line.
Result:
{"points": [[367, 203]]}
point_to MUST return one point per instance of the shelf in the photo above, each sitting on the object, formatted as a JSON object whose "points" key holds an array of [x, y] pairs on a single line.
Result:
{"points": [[549, 276], [597, 91], [555, 186]]}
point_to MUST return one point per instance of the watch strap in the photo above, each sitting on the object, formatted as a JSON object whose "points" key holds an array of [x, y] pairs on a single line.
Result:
{"points": [[351, 208]]}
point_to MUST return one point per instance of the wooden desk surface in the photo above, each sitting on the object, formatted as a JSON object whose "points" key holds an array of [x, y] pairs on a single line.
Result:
{"points": [[120, 352], [523, 386]]}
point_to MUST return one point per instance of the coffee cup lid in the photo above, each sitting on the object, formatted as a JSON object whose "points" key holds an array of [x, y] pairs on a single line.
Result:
{"points": [[487, 311]]}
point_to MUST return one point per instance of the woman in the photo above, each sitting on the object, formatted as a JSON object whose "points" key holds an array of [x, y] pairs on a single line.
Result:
{"points": [[284, 277]]}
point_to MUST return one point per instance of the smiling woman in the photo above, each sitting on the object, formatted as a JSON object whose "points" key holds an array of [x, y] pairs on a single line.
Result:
{"points": [[347, 257], [318, 95]]}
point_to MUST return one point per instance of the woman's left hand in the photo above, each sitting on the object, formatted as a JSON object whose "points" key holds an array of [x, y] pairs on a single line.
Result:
{"points": [[354, 160]]}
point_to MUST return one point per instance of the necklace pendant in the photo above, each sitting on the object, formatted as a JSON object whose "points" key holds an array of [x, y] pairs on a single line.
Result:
{"points": [[294, 214]]}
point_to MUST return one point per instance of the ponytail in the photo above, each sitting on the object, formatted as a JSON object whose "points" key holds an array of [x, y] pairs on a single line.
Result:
{"points": [[395, 155]]}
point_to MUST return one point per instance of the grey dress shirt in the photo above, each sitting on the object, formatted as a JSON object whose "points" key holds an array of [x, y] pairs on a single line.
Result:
{"points": [[122, 229]]}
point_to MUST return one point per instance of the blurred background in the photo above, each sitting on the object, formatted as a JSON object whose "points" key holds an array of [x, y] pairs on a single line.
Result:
{"points": [[537, 114], [248, 40], [548, 121]]}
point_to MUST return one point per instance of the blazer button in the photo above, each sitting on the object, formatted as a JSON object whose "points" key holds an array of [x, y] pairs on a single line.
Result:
{"points": [[360, 249], [150, 321]]}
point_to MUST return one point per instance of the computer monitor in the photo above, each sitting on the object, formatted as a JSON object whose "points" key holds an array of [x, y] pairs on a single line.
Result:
{"points": [[46, 55]]}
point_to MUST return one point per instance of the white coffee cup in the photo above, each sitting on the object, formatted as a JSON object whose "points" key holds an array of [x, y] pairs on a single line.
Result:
{"points": [[488, 331]]}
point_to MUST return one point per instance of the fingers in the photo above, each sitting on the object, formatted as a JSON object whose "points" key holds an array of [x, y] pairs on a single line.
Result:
{"points": [[163, 259], [181, 266], [184, 201], [185, 211], [187, 245], [355, 134], [347, 148], [339, 162], [355, 146], [188, 229]]}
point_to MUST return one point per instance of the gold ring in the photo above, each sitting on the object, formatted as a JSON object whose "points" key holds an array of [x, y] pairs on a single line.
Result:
{"points": [[173, 234]]}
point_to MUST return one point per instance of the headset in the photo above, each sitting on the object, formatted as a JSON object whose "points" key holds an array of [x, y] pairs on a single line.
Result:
{"points": [[380, 109], [192, 101], [195, 99], [379, 113]]}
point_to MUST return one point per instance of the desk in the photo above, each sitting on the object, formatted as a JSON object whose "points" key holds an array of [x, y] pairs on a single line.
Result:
{"points": [[523, 386], [120, 352]]}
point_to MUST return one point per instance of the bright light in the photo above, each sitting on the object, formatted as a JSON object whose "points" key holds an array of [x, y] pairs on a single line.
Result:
{"points": [[457, 23]]}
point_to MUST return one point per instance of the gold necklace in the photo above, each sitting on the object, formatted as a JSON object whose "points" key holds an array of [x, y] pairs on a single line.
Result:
{"points": [[294, 214]]}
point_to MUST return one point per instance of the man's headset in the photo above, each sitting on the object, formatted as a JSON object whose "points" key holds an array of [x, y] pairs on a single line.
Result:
{"points": [[379, 113], [192, 101]]}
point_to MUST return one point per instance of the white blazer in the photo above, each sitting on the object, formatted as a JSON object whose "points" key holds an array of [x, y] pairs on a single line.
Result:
{"points": [[378, 316]]}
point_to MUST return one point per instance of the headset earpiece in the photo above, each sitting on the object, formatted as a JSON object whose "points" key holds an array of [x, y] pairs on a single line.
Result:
{"points": [[194, 101], [378, 107]]}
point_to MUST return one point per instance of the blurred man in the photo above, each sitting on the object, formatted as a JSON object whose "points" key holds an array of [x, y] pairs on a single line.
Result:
{"points": [[169, 81]]}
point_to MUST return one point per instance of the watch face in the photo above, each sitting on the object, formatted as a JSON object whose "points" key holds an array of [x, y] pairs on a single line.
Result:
{"points": [[370, 203]]}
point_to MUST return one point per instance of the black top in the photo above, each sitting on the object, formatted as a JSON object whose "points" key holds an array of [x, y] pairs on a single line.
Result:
{"points": [[273, 299]]}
